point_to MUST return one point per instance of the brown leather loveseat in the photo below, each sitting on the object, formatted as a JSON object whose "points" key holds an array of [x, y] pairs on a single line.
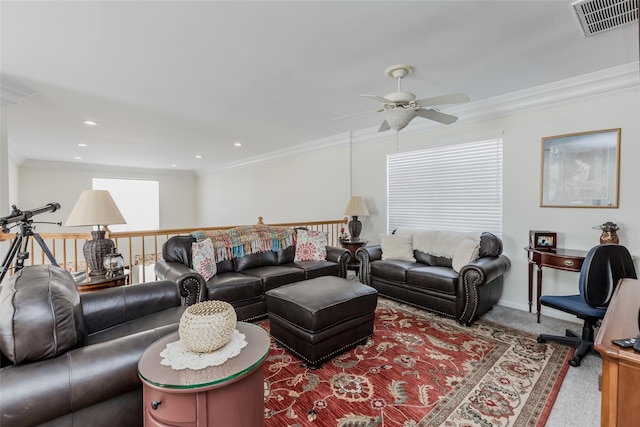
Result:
{"points": [[71, 359], [242, 281], [455, 274]]}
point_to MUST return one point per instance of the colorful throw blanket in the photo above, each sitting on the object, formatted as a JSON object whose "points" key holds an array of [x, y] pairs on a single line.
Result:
{"points": [[249, 239]]}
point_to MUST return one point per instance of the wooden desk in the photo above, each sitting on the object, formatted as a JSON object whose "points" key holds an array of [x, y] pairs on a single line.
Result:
{"points": [[620, 366], [560, 259]]}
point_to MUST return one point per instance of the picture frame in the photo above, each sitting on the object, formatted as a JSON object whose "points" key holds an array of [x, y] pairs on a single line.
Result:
{"points": [[581, 170], [543, 240]]}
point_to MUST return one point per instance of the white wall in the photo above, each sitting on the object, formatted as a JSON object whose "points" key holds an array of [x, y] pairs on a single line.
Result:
{"points": [[46, 182], [307, 187], [316, 185]]}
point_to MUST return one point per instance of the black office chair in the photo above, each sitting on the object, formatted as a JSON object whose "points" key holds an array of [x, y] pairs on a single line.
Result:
{"points": [[603, 267]]}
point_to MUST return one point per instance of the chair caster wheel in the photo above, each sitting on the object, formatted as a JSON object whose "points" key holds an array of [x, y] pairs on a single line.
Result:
{"points": [[574, 363], [541, 340]]}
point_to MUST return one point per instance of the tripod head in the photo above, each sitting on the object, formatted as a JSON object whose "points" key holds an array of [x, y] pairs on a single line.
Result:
{"points": [[25, 216]]}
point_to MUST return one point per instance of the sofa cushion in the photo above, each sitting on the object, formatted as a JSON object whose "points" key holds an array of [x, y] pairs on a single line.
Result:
{"points": [[490, 245], [232, 287], [397, 247], [40, 314], [428, 259], [392, 270], [276, 276], [178, 248], [285, 256], [311, 245], [255, 260], [467, 252], [442, 279], [313, 269], [203, 258]]}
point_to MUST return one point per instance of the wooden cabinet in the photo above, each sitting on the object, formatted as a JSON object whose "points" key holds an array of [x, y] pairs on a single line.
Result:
{"points": [[620, 366]]}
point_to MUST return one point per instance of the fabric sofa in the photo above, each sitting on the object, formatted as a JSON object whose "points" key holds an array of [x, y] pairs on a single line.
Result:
{"points": [[243, 280], [455, 274], [71, 359]]}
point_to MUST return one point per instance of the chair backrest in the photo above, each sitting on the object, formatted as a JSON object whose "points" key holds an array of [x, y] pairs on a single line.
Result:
{"points": [[602, 269]]}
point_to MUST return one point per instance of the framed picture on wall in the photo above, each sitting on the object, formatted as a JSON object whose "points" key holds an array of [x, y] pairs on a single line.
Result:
{"points": [[581, 170]]}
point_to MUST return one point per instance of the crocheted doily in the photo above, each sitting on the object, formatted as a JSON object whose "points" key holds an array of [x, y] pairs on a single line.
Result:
{"points": [[178, 357]]}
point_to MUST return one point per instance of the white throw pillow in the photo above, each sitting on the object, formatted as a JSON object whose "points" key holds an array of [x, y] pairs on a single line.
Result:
{"points": [[203, 258], [397, 247], [467, 252]]}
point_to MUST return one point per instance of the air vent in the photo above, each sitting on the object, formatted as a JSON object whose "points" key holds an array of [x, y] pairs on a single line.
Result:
{"points": [[596, 16]]}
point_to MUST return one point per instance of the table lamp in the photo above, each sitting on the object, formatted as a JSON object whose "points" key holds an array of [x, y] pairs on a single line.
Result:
{"points": [[355, 208], [96, 207]]}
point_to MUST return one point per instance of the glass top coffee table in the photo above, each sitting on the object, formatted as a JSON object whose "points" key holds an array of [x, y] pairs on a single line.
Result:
{"points": [[229, 394]]}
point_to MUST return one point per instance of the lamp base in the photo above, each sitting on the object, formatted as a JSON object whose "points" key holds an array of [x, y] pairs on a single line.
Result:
{"points": [[94, 252], [355, 227]]}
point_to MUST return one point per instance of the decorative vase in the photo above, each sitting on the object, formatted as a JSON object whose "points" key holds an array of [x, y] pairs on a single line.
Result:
{"points": [[609, 233], [207, 326], [95, 250]]}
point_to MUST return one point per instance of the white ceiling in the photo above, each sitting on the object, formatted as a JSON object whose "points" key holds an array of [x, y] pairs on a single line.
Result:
{"points": [[169, 80]]}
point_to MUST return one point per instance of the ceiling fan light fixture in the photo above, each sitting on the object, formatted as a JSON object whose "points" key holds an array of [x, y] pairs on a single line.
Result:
{"points": [[398, 118]]}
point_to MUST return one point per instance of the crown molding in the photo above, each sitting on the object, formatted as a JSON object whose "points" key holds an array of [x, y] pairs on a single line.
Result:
{"points": [[624, 78], [114, 171], [12, 93]]}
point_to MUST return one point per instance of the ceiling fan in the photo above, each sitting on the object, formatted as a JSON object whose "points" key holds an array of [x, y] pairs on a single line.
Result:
{"points": [[399, 108]]}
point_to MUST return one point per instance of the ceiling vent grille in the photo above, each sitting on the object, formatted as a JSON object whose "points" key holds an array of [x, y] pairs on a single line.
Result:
{"points": [[596, 16]]}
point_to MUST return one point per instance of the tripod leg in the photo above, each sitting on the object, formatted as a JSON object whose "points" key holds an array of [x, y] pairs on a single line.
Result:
{"points": [[45, 249], [6, 264]]}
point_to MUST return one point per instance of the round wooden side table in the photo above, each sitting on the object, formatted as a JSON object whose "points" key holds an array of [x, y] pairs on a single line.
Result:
{"points": [[231, 394]]}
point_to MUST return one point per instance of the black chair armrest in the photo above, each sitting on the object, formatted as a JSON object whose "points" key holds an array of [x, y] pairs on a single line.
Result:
{"points": [[114, 306], [40, 392], [341, 256], [192, 286], [365, 255]]}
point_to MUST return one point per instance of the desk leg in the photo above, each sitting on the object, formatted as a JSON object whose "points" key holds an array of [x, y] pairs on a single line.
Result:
{"points": [[539, 292], [530, 285]]}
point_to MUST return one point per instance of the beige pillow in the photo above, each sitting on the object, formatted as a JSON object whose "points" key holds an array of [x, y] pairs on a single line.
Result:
{"points": [[397, 247], [467, 252]]}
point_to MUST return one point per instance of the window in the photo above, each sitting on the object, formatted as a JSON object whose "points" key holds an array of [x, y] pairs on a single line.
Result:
{"points": [[138, 201], [456, 187]]}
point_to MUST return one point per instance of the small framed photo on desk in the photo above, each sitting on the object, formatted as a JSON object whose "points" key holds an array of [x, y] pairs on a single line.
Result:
{"points": [[542, 240]]}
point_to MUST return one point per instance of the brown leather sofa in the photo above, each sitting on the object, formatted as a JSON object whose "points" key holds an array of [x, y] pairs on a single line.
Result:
{"points": [[71, 359], [243, 281], [431, 282]]}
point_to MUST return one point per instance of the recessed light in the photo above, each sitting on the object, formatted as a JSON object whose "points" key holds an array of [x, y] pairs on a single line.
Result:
{"points": [[173, 166], [78, 158], [90, 123], [82, 145], [198, 156], [238, 144]]}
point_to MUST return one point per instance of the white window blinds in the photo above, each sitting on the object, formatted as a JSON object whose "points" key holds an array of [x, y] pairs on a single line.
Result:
{"points": [[455, 187]]}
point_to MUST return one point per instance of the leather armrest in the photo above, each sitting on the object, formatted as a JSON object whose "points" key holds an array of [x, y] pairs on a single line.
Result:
{"points": [[114, 306], [341, 256], [486, 269], [192, 286], [365, 255], [42, 391]]}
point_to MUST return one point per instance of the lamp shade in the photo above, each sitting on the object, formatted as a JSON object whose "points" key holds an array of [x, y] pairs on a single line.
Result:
{"points": [[95, 207], [356, 207]]}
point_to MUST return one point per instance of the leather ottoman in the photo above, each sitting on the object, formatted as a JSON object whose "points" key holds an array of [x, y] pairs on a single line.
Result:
{"points": [[318, 318]]}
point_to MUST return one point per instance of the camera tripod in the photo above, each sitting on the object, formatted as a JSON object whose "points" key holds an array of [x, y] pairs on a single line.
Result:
{"points": [[22, 240]]}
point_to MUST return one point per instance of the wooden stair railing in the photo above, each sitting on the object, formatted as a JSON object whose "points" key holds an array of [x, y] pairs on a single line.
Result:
{"points": [[140, 249]]}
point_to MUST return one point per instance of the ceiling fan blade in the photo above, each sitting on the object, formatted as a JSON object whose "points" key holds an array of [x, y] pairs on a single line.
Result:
{"points": [[357, 114], [443, 118], [452, 98], [384, 126], [379, 98]]}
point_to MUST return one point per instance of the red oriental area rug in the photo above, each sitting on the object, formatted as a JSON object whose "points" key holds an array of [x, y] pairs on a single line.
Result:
{"points": [[419, 369]]}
